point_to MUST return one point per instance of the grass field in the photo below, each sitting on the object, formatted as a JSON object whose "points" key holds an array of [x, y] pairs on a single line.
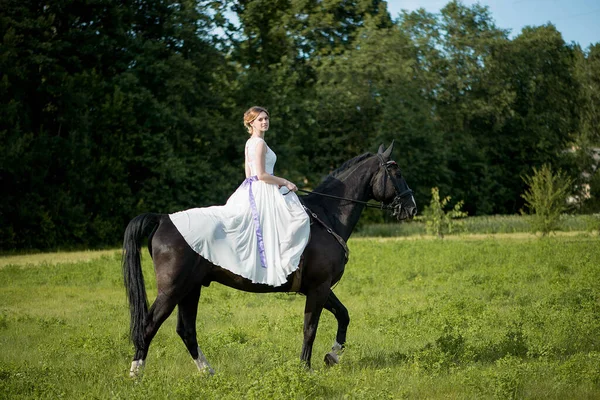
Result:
{"points": [[487, 224], [475, 317]]}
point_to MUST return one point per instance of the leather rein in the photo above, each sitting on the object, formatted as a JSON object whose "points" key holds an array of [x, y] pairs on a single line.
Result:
{"points": [[390, 207]]}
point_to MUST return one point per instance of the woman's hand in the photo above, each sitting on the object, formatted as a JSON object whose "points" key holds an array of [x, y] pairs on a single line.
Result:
{"points": [[290, 186]]}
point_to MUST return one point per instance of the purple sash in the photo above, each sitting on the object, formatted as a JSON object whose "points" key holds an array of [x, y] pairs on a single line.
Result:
{"points": [[259, 237]]}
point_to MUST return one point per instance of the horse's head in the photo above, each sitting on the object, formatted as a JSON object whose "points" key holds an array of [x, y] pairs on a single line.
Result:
{"points": [[389, 186]]}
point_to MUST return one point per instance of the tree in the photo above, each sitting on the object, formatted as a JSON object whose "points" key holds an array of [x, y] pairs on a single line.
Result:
{"points": [[283, 47], [101, 107], [373, 94], [454, 53], [587, 139], [546, 197], [55, 65], [539, 67]]}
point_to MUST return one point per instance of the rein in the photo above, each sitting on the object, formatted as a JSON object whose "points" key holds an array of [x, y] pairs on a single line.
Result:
{"points": [[390, 207], [365, 203]]}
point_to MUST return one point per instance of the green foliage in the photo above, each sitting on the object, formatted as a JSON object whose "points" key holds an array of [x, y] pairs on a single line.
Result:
{"points": [[593, 223], [546, 197], [509, 380], [105, 108], [592, 203], [438, 221], [115, 108], [587, 139]]}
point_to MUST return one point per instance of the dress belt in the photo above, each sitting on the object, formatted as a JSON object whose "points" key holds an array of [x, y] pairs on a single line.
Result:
{"points": [[255, 218]]}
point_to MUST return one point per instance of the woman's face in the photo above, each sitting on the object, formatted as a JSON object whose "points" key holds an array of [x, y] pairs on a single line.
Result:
{"points": [[261, 123]]}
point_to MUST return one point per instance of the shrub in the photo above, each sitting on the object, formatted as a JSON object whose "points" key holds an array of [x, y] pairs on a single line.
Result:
{"points": [[438, 221], [546, 197]]}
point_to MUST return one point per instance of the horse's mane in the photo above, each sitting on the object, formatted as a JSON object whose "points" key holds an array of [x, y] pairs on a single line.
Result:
{"points": [[326, 182]]}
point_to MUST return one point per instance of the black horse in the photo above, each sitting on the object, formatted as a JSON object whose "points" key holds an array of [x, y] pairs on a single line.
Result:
{"points": [[335, 208]]}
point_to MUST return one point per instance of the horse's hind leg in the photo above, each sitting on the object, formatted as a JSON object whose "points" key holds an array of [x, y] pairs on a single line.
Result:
{"points": [[186, 328], [340, 312], [161, 309]]}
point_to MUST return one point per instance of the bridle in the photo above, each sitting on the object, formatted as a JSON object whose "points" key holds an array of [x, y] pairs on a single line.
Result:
{"points": [[395, 206]]}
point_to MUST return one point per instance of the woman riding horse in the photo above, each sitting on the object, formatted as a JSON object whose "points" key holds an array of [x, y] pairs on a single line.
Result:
{"points": [[186, 258]]}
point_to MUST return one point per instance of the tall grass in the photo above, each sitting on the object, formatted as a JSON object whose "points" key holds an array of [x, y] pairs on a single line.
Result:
{"points": [[464, 319], [482, 225]]}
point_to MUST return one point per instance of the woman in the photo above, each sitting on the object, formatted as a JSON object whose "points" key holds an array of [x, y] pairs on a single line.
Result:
{"points": [[260, 233]]}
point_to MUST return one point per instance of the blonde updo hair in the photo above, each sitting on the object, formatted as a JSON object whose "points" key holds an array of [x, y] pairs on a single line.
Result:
{"points": [[251, 115]]}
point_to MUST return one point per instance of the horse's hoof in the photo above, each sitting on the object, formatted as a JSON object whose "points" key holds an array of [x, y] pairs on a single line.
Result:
{"points": [[137, 367], [203, 366], [331, 359]]}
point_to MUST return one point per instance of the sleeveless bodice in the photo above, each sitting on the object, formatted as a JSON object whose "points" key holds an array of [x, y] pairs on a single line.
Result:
{"points": [[252, 157]]}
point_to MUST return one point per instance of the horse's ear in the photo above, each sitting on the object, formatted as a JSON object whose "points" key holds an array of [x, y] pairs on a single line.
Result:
{"points": [[380, 149], [387, 154]]}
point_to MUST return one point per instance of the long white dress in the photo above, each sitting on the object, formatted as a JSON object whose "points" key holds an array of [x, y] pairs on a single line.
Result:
{"points": [[258, 234]]}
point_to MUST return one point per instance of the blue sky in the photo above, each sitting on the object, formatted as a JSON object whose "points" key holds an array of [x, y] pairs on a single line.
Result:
{"points": [[577, 20]]}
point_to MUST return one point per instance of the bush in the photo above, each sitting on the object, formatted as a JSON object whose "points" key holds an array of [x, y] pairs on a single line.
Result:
{"points": [[438, 221], [546, 197]]}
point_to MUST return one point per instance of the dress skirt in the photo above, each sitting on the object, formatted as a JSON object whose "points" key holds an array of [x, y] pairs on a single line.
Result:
{"points": [[259, 234]]}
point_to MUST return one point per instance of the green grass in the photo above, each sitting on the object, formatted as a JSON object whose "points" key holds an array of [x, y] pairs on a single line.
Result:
{"points": [[491, 318]]}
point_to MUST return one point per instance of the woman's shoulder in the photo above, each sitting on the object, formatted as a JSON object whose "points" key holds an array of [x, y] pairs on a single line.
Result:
{"points": [[253, 141]]}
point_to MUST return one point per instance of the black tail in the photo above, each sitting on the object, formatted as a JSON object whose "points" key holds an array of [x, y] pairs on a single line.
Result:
{"points": [[139, 227]]}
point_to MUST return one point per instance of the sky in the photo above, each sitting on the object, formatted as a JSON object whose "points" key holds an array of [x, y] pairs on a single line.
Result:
{"points": [[577, 20]]}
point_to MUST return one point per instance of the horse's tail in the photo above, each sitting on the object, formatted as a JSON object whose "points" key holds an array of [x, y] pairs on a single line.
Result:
{"points": [[138, 228]]}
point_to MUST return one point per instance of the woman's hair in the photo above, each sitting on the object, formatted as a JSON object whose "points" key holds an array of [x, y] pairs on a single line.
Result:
{"points": [[251, 114]]}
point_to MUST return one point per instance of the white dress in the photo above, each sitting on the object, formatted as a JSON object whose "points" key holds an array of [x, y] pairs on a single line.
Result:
{"points": [[263, 242]]}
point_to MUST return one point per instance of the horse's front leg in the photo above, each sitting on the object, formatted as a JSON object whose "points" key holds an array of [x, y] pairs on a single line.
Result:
{"points": [[315, 300], [335, 306]]}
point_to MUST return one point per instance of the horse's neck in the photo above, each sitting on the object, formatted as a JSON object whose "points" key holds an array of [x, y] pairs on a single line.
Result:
{"points": [[343, 214]]}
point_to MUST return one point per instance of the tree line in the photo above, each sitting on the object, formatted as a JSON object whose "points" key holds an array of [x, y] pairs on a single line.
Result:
{"points": [[113, 108]]}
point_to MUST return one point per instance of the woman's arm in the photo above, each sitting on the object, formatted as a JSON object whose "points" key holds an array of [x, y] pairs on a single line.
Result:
{"points": [[261, 174]]}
